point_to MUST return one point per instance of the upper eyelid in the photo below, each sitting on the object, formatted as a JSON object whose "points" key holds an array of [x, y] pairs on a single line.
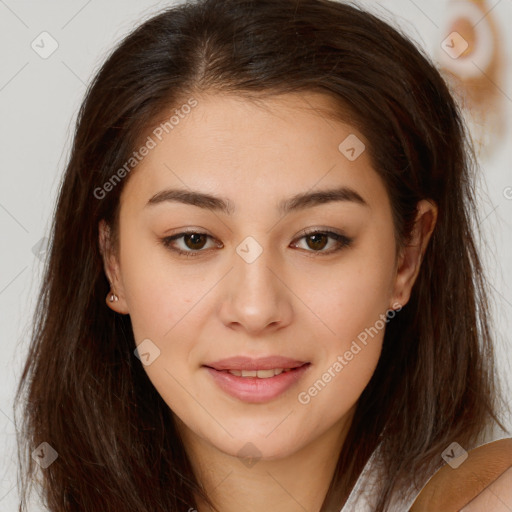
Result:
{"points": [[305, 232], [177, 236]]}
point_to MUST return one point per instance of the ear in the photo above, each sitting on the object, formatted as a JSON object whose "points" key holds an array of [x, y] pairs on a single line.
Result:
{"points": [[112, 269], [411, 256]]}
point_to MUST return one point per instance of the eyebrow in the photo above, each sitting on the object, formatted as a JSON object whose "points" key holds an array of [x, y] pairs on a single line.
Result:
{"points": [[224, 205]]}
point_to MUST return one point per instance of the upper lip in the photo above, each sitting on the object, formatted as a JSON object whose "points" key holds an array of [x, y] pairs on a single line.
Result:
{"points": [[249, 363]]}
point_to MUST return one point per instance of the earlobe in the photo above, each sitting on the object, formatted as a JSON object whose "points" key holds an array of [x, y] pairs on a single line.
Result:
{"points": [[411, 255], [115, 299], [114, 302]]}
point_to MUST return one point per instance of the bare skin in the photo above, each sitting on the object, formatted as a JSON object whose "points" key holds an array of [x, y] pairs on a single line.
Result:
{"points": [[299, 298]]}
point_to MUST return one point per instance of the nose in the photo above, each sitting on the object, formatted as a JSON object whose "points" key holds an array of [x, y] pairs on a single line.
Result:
{"points": [[256, 298]]}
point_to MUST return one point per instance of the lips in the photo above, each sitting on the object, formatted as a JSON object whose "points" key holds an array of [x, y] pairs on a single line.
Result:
{"points": [[241, 363], [256, 380]]}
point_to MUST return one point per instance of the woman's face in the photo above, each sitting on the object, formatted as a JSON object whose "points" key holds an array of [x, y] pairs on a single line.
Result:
{"points": [[253, 291]]}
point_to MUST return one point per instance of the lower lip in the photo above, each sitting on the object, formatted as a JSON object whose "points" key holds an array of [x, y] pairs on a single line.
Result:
{"points": [[253, 389]]}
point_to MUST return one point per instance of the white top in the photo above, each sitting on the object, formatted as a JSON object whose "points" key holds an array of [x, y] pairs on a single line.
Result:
{"points": [[363, 497]]}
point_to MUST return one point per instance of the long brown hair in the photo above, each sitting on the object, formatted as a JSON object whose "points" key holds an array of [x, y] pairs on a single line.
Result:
{"points": [[82, 389]]}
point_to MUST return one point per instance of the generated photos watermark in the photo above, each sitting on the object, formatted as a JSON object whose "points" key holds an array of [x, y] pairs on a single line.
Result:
{"points": [[304, 397], [151, 143]]}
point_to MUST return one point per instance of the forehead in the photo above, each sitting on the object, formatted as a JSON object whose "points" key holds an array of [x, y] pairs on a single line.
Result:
{"points": [[270, 148]]}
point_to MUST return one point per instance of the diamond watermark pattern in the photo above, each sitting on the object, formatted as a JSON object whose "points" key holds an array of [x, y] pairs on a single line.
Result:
{"points": [[454, 45], [249, 249], [249, 455], [352, 147], [147, 352], [44, 45], [454, 455], [40, 248], [44, 455]]}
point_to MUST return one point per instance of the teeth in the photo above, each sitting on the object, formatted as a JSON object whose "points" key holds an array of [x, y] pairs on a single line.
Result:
{"points": [[261, 374], [265, 374]]}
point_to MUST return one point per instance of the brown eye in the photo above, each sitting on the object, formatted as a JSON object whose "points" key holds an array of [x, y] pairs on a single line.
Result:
{"points": [[317, 241], [195, 241], [187, 244]]}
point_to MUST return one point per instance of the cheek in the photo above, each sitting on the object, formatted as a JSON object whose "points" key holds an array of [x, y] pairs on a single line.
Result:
{"points": [[352, 295], [337, 386], [348, 359], [157, 293], [161, 297], [354, 306]]}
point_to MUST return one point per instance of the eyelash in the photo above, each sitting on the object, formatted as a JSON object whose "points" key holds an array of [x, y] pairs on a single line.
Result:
{"points": [[342, 242]]}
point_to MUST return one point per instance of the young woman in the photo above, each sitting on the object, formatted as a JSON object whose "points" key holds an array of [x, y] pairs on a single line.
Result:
{"points": [[263, 289]]}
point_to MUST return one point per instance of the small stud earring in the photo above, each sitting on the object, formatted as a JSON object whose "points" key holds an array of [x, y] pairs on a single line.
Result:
{"points": [[113, 297]]}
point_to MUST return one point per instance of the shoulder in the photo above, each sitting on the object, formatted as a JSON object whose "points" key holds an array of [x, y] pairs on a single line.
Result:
{"points": [[481, 483], [496, 497]]}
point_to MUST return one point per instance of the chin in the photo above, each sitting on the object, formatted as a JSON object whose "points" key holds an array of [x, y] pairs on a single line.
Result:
{"points": [[259, 447]]}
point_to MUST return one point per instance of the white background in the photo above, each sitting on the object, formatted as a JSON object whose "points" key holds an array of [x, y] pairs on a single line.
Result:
{"points": [[39, 99]]}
